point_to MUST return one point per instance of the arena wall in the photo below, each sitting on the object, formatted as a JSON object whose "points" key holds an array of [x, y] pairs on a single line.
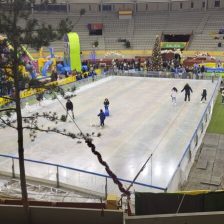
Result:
{"points": [[146, 6]]}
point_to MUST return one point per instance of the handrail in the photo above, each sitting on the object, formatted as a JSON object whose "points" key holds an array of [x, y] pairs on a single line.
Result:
{"points": [[188, 146], [83, 171]]}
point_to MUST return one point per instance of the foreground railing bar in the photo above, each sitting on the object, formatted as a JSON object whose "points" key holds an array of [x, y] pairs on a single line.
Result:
{"points": [[82, 171]]}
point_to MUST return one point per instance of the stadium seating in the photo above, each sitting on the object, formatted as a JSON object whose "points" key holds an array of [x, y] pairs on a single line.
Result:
{"points": [[142, 28]]}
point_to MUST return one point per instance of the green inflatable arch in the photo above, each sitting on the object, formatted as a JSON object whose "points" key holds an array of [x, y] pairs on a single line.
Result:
{"points": [[72, 51]]}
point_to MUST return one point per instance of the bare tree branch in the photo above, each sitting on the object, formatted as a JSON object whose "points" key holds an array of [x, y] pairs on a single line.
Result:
{"points": [[7, 109], [54, 130], [9, 124]]}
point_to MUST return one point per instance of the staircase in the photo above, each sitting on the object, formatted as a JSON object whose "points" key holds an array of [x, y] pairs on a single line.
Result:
{"points": [[202, 24], [130, 30]]}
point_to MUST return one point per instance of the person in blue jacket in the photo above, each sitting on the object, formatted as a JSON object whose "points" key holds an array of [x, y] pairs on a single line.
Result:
{"points": [[102, 117], [106, 106]]}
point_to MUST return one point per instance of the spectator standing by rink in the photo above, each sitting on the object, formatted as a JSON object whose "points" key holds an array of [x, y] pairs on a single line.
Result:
{"points": [[202, 71], [69, 107], [92, 74], [188, 91], [174, 95], [212, 76], [203, 95], [102, 117], [222, 96], [106, 106], [39, 98], [54, 75]]}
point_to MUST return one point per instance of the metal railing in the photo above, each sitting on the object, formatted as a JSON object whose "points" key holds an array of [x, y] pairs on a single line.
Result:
{"points": [[183, 168], [159, 74], [84, 181]]}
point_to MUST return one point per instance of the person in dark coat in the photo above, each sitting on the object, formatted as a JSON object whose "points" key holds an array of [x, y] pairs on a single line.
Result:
{"points": [[39, 97], [92, 74], [102, 117], [54, 75], [188, 91], [203, 95], [69, 107], [106, 106]]}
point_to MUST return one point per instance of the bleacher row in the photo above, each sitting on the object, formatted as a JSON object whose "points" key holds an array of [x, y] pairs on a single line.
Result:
{"points": [[142, 29]]}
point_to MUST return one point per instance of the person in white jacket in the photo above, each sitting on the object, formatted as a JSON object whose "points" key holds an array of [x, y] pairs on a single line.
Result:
{"points": [[174, 95]]}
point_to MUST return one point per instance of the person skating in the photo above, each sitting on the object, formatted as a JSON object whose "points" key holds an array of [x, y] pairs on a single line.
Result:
{"points": [[188, 91], [203, 95], [174, 95], [106, 106], [69, 107], [102, 117]]}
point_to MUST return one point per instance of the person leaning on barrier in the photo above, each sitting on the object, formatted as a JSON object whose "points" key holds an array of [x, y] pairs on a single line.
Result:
{"points": [[222, 93], [213, 76]]}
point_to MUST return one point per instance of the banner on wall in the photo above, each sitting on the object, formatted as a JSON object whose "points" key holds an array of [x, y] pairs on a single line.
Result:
{"points": [[95, 26], [30, 92], [125, 14], [167, 203], [221, 31], [173, 45]]}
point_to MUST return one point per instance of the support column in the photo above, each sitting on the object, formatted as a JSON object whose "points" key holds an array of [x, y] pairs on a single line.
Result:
{"points": [[170, 6]]}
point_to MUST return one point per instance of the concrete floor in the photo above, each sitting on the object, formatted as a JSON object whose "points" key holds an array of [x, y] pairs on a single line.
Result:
{"points": [[207, 170], [143, 121]]}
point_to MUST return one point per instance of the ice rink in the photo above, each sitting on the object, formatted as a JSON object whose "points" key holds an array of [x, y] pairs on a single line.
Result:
{"points": [[143, 121]]}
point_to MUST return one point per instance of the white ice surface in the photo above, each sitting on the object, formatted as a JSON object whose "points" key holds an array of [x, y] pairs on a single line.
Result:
{"points": [[143, 121]]}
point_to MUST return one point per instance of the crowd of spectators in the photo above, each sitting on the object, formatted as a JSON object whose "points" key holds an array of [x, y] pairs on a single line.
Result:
{"points": [[87, 71], [5, 82], [6, 86], [172, 67]]}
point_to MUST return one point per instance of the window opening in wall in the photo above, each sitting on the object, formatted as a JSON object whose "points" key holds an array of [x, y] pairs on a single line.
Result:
{"points": [[181, 5], [203, 4], [192, 5], [107, 8], [90, 8], [217, 3], [146, 7]]}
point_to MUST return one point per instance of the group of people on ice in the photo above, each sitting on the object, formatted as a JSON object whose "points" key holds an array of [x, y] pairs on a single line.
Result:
{"points": [[188, 90], [105, 113], [102, 115]]}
